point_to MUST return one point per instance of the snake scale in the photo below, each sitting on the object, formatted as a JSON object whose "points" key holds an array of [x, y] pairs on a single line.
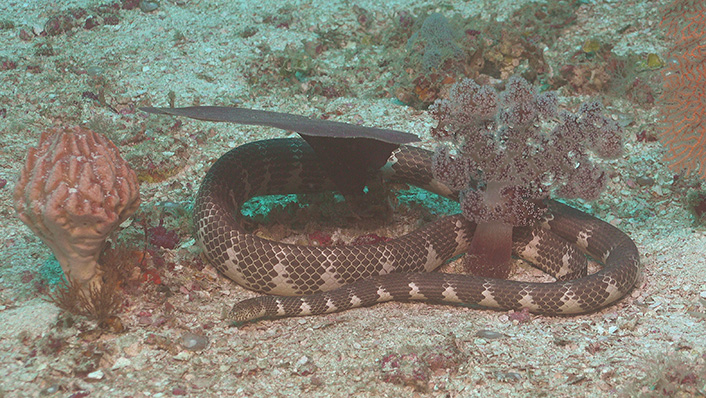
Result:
{"points": [[309, 280]]}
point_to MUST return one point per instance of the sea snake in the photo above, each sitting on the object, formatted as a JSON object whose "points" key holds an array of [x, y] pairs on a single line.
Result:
{"points": [[308, 280]]}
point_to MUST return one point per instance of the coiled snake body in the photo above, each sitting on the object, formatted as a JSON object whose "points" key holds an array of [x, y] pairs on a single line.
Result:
{"points": [[336, 278]]}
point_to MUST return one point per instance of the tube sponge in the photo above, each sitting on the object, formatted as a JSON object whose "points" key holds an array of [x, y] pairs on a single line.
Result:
{"points": [[74, 190]]}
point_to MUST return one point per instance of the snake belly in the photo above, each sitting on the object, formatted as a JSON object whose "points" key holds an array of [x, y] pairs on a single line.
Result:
{"points": [[309, 280]]}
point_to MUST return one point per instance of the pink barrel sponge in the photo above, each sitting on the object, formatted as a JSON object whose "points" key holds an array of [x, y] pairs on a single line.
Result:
{"points": [[74, 190]]}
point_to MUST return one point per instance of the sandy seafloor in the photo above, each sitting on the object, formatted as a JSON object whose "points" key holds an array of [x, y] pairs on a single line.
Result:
{"points": [[648, 343]]}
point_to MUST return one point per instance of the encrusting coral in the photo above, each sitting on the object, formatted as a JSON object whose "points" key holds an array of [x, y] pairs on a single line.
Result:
{"points": [[74, 190], [508, 158], [683, 110]]}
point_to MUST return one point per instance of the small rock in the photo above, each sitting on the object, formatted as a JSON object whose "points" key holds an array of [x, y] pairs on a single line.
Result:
{"points": [[508, 377], [628, 323], [96, 375], [52, 389], [148, 5], [121, 363], [645, 180], [489, 334], [303, 360], [133, 349], [304, 366], [193, 341], [183, 356]]}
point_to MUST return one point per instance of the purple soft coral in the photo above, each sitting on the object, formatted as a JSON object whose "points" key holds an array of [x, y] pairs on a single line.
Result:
{"points": [[508, 156]]}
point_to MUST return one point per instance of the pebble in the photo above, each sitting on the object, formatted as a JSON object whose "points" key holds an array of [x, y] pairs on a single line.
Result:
{"points": [[52, 389], [193, 341], [97, 375], [37, 29], [628, 323], [489, 334], [121, 363], [183, 356], [133, 349], [508, 377], [148, 5], [645, 181]]}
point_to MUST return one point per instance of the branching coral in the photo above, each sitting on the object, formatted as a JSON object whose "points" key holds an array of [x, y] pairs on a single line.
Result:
{"points": [[436, 40], [507, 159], [443, 51], [74, 190], [100, 302]]}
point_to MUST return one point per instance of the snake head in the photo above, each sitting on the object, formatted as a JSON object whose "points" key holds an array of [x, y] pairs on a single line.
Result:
{"points": [[246, 311]]}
